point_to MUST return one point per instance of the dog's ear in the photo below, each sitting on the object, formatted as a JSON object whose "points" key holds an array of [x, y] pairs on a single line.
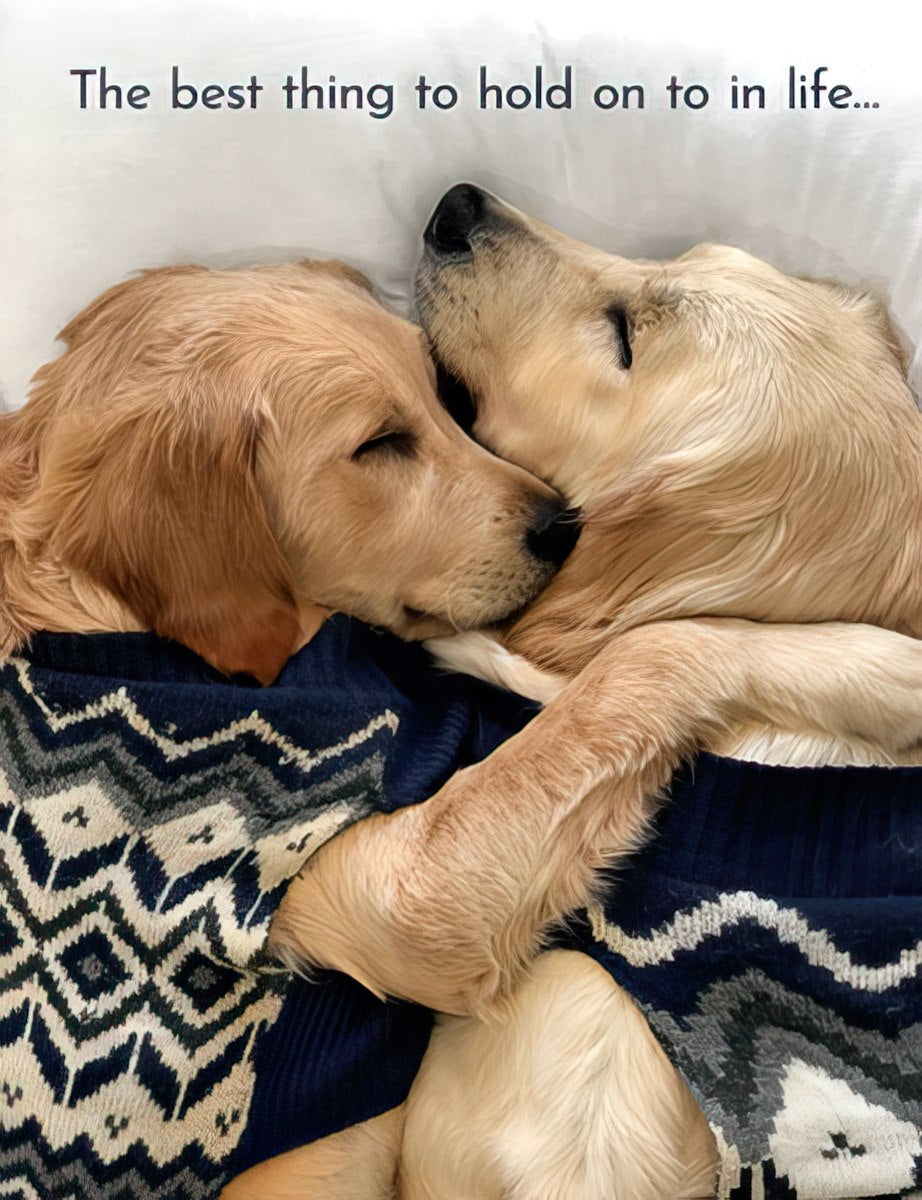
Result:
{"points": [[339, 270], [159, 502]]}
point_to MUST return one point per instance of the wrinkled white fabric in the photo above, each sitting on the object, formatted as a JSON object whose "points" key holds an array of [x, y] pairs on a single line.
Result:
{"points": [[90, 195]]}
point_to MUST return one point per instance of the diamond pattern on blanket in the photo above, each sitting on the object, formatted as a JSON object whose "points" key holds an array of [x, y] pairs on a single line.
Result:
{"points": [[827, 1135], [93, 966], [140, 863]]}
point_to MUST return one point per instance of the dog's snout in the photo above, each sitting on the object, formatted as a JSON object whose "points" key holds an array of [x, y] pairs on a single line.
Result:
{"points": [[456, 216], [555, 531]]}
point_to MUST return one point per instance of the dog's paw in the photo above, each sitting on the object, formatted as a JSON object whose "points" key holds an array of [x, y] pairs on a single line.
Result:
{"points": [[890, 699], [483, 657], [863, 683]]}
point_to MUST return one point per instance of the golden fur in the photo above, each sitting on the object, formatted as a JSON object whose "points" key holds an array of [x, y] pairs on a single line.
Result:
{"points": [[190, 464], [194, 463], [760, 459], [709, 395]]}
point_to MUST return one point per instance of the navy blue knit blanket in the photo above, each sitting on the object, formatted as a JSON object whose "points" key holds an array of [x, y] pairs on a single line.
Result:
{"points": [[771, 933], [152, 813]]}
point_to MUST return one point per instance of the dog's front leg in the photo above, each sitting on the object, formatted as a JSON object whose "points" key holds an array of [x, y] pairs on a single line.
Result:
{"points": [[445, 903]]}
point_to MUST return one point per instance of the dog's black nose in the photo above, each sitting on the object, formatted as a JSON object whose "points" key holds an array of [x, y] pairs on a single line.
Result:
{"points": [[555, 531], [456, 216]]}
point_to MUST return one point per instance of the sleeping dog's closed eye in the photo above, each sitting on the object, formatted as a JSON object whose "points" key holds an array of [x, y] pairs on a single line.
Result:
{"points": [[397, 441]]}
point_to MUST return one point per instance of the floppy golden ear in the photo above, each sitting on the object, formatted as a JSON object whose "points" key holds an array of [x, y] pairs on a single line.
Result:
{"points": [[339, 270], [124, 300], [159, 503]]}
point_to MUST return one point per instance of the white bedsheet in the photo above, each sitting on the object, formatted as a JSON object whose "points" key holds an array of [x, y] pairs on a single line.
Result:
{"points": [[90, 195]]}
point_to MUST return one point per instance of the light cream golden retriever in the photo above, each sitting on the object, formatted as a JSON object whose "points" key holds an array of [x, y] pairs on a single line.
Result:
{"points": [[226, 457], [745, 445]]}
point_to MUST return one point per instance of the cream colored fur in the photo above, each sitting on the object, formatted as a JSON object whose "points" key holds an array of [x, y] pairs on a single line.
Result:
{"points": [[761, 459], [571, 1098]]}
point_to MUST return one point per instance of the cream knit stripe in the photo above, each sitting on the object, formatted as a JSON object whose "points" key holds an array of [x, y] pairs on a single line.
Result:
{"points": [[710, 918], [171, 749]]}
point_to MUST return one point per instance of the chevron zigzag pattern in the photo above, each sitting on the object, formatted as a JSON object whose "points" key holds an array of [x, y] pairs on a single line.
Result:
{"points": [[140, 864], [711, 918], [119, 701], [794, 1010]]}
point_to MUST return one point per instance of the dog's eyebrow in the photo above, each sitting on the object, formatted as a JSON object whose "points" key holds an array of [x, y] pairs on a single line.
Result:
{"points": [[392, 419], [385, 421], [663, 295]]}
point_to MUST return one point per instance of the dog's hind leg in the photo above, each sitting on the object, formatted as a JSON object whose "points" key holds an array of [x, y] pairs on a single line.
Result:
{"points": [[544, 1104]]}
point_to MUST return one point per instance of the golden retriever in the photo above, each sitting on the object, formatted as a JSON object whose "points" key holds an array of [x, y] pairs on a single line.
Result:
{"points": [[744, 444], [226, 457]]}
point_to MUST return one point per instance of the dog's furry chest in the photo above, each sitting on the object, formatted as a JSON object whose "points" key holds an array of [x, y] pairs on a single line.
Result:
{"points": [[772, 936]]}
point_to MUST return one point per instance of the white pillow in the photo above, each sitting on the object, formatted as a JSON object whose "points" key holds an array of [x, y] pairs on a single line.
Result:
{"points": [[91, 194]]}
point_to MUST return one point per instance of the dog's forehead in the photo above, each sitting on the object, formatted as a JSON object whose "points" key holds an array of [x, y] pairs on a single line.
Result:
{"points": [[356, 375], [714, 264], [706, 266], [734, 283], [320, 321]]}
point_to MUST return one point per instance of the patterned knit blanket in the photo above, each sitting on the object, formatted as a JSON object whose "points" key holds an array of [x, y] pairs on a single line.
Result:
{"points": [[151, 813], [772, 935]]}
